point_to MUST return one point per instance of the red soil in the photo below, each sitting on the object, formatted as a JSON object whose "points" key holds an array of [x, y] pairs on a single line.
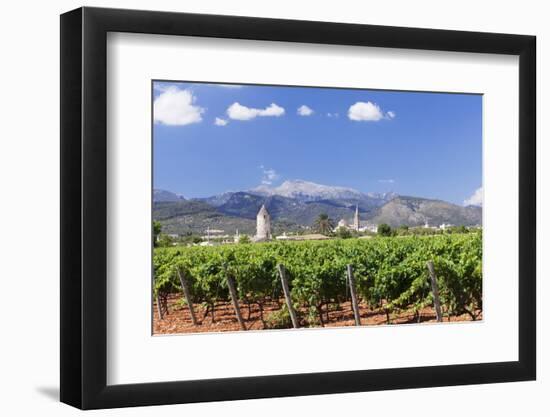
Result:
{"points": [[178, 318]]}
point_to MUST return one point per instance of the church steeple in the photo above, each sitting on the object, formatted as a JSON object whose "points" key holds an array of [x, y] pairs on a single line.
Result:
{"points": [[356, 218]]}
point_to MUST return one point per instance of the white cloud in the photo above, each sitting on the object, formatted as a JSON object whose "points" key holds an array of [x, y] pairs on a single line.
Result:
{"points": [[268, 175], [272, 110], [333, 114], [161, 87], [239, 112], [176, 107], [220, 122], [369, 112], [390, 114], [304, 110], [476, 199], [387, 181]]}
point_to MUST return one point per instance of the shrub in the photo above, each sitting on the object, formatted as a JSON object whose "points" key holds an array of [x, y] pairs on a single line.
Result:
{"points": [[279, 319], [384, 229]]}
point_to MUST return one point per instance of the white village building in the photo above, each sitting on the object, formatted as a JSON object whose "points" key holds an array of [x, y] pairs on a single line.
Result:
{"points": [[368, 227], [342, 223], [358, 225]]}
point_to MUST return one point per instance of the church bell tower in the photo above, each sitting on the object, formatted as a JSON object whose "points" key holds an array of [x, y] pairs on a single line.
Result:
{"points": [[356, 218]]}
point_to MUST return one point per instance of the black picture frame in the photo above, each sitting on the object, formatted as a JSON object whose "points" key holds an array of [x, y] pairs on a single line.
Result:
{"points": [[84, 207]]}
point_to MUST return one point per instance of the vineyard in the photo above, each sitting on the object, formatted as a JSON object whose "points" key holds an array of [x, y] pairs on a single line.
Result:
{"points": [[387, 276]]}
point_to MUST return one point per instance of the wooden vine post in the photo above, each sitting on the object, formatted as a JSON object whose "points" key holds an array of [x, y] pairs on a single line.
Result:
{"points": [[233, 292], [435, 291], [288, 299], [159, 307], [354, 302], [187, 294]]}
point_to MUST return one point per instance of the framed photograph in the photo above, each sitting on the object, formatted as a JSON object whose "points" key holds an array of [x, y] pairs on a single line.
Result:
{"points": [[257, 208]]}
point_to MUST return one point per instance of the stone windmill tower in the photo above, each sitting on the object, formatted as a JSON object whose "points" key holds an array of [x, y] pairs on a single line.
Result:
{"points": [[263, 225]]}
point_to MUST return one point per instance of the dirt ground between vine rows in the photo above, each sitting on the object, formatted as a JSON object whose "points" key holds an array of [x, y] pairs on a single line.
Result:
{"points": [[178, 319]]}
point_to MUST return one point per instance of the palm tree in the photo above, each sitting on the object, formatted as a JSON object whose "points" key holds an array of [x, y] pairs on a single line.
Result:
{"points": [[323, 224]]}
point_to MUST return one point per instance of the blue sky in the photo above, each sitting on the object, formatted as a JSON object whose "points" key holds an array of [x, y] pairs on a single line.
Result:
{"points": [[211, 138]]}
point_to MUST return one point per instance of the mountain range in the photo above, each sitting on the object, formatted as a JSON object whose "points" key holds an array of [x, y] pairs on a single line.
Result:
{"points": [[296, 204], [310, 191], [163, 195]]}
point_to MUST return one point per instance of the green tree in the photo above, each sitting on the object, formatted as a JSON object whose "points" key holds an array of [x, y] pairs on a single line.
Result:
{"points": [[157, 228], [323, 224], [164, 240], [243, 239], [402, 230], [343, 233], [384, 229], [190, 238]]}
